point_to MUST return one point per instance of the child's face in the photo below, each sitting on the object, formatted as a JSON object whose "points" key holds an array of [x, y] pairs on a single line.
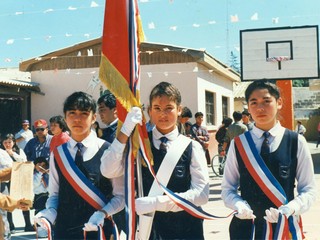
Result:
{"points": [[245, 118], [8, 144], [263, 108], [199, 120], [79, 123], [107, 115], [164, 114], [55, 128]]}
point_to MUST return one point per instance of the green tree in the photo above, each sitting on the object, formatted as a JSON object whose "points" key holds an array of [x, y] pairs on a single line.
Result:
{"points": [[300, 83], [234, 63]]}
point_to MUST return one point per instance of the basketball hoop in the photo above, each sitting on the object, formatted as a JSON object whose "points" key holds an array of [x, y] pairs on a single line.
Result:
{"points": [[278, 59]]}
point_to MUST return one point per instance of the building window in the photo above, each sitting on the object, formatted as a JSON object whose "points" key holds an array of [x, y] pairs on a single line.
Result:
{"points": [[225, 107], [210, 108]]}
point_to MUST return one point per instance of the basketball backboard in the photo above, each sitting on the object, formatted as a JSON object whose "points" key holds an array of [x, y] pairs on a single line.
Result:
{"points": [[279, 53]]}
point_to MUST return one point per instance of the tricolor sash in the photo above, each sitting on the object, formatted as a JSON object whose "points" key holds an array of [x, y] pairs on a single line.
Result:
{"points": [[79, 182], [270, 186]]}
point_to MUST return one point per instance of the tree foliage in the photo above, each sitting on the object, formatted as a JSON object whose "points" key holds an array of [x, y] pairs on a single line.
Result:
{"points": [[300, 83], [234, 63]]}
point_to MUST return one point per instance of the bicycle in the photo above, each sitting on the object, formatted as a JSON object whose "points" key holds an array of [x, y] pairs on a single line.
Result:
{"points": [[217, 164]]}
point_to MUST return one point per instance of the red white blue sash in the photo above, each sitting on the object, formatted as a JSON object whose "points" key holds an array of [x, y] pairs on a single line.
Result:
{"points": [[47, 225], [270, 186], [80, 183]]}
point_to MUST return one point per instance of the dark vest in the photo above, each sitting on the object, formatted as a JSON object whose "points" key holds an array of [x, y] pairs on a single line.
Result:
{"points": [[173, 225], [109, 133], [282, 163], [73, 210]]}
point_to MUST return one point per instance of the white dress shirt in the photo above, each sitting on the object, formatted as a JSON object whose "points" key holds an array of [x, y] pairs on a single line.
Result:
{"points": [[91, 145], [306, 184], [26, 134], [21, 157], [5, 159], [112, 165]]}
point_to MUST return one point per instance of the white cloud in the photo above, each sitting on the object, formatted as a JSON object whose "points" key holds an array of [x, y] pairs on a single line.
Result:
{"points": [[94, 4], [151, 25], [255, 17], [10, 41]]}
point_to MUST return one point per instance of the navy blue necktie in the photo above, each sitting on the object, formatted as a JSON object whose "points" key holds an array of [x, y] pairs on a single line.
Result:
{"points": [[265, 147], [79, 157], [163, 145]]}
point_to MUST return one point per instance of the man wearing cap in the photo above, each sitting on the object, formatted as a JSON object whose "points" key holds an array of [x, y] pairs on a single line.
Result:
{"points": [[39, 146], [24, 135]]}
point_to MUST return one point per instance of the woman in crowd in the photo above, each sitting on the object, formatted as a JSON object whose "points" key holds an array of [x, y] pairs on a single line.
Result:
{"points": [[17, 155]]}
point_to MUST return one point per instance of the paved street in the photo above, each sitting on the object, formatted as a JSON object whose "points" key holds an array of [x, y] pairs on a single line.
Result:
{"points": [[218, 229]]}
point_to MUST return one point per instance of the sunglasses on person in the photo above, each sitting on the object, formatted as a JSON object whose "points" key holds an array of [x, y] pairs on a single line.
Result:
{"points": [[40, 129]]}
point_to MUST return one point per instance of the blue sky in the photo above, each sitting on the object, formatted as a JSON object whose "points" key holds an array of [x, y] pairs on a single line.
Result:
{"points": [[31, 28]]}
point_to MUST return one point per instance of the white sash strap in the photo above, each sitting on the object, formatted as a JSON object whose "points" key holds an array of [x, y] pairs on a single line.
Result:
{"points": [[164, 173]]}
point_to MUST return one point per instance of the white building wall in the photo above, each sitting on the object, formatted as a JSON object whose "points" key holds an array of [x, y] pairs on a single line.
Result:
{"points": [[57, 86], [191, 79], [180, 75]]}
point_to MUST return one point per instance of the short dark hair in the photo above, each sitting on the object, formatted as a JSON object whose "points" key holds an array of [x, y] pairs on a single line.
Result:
{"points": [[262, 84], [227, 121], [237, 115], [80, 101], [165, 89], [60, 120], [245, 112], [108, 99], [198, 114], [186, 112], [41, 160]]}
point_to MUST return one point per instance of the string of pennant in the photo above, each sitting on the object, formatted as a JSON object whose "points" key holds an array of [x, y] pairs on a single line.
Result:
{"points": [[233, 19], [147, 73]]}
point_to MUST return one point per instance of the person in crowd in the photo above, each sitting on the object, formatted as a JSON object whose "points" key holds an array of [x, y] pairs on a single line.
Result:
{"points": [[9, 144], [149, 125], [188, 178], [40, 183], [183, 118], [40, 189], [222, 131], [5, 162], [200, 134], [300, 129], [8, 203], [246, 119], [59, 129], [235, 129], [24, 135], [318, 128], [17, 155], [274, 169], [39, 146], [96, 128], [107, 109], [188, 126], [69, 209]]}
